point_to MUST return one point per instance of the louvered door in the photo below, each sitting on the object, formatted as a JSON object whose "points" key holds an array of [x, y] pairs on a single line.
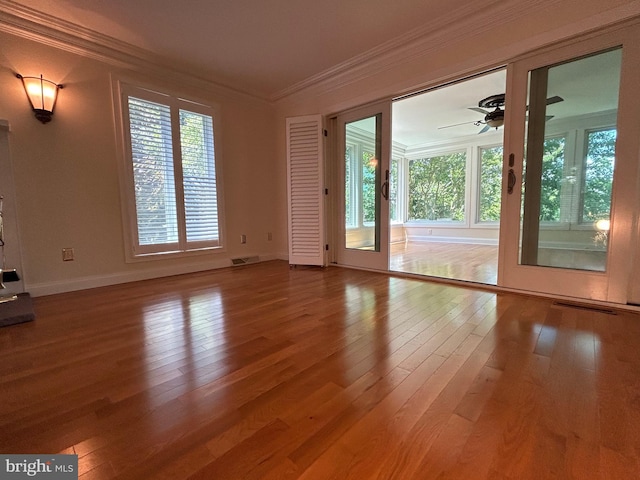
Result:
{"points": [[305, 190]]}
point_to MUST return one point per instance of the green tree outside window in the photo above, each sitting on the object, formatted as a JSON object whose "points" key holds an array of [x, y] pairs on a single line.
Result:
{"points": [[437, 188]]}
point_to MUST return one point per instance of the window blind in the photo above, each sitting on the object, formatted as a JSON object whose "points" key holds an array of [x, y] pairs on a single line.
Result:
{"points": [[174, 176], [153, 172], [198, 176]]}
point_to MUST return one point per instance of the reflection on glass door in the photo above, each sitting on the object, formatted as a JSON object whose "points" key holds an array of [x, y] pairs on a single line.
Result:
{"points": [[362, 176], [363, 179], [570, 175], [569, 163]]}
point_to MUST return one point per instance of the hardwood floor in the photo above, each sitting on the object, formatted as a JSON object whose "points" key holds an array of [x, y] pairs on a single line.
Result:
{"points": [[457, 261], [266, 372]]}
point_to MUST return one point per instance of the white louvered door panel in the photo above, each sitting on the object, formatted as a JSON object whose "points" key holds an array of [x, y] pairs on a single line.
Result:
{"points": [[305, 190]]}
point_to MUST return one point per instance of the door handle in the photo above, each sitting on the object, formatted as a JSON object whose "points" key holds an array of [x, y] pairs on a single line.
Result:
{"points": [[385, 186], [512, 181]]}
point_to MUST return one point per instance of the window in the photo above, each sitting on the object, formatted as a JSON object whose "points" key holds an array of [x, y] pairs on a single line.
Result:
{"points": [[490, 184], [173, 193], [351, 196], [360, 175], [553, 166], [368, 164], [598, 175], [437, 187], [394, 214]]}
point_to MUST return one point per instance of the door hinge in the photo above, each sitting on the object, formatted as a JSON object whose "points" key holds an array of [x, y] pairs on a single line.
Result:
{"points": [[325, 133], [326, 247], [326, 191]]}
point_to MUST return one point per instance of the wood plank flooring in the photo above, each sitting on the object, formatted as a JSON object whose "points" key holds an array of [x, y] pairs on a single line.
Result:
{"points": [[266, 372], [457, 261]]}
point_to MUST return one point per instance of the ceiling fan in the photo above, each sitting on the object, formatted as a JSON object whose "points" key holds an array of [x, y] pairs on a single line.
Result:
{"points": [[495, 118]]}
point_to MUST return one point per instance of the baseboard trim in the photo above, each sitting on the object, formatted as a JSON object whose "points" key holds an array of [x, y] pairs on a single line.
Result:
{"points": [[94, 281]]}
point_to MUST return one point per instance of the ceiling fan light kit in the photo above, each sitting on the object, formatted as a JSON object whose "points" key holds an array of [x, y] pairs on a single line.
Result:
{"points": [[495, 118]]}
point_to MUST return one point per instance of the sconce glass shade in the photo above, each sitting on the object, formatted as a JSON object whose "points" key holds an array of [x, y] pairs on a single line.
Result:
{"points": [[42, 94]]}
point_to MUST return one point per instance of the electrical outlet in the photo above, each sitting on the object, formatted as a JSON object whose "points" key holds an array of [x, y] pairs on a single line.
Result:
{"points": [[67, 254], [243, 238]]}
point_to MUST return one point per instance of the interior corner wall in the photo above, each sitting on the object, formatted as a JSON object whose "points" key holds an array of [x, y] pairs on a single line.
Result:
{"points": [[537, 25], [66, 173]]}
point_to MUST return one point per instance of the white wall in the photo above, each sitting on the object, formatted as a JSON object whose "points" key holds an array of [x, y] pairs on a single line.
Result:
{"points": [[66, 173]]}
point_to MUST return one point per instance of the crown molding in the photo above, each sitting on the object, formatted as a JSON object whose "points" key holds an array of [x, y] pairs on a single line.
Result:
{"points": [[459, 25], [34, 25], [466, 21]]}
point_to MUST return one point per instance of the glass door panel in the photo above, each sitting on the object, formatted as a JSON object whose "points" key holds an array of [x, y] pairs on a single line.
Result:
{"points": [[569, 163], [571, 169], [363, 177]]}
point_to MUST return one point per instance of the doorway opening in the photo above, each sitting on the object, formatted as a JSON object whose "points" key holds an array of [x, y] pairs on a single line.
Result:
{"points": [[446, 180]]}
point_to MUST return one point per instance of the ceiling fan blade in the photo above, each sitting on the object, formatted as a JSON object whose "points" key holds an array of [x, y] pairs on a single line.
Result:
{"points": [[456, 125], [555, 99], [551, 101], [485, 129], [479, 110]]}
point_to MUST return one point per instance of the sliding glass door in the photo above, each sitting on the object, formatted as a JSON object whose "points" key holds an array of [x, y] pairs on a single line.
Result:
{"points": [[566, 170], [363, 171], [571, 170]]}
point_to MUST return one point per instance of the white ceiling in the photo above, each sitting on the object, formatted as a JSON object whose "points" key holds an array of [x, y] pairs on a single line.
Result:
{"points": [[266, 47], [419, 119], [259, 46], [588, 86]]}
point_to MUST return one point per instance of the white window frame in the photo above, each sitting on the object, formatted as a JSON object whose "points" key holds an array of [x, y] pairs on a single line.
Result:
{"points": [[176, 102]]}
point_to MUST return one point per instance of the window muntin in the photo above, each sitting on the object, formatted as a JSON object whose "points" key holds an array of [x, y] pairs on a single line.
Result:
{"points": [[174, 200]]}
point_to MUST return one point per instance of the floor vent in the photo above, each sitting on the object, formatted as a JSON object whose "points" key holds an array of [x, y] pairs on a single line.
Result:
{"points": [[585, 307], [244, 260]]}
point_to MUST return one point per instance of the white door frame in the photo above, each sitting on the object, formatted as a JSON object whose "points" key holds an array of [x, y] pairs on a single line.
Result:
{"points": [[611, 285], [367, 259]]}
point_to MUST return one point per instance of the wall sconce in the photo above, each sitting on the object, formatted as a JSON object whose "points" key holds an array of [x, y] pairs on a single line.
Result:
{"points": [[42, 95]]}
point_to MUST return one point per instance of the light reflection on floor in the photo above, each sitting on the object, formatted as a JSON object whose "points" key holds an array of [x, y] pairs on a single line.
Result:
{"points": [[193, 329], [456, 261]]}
